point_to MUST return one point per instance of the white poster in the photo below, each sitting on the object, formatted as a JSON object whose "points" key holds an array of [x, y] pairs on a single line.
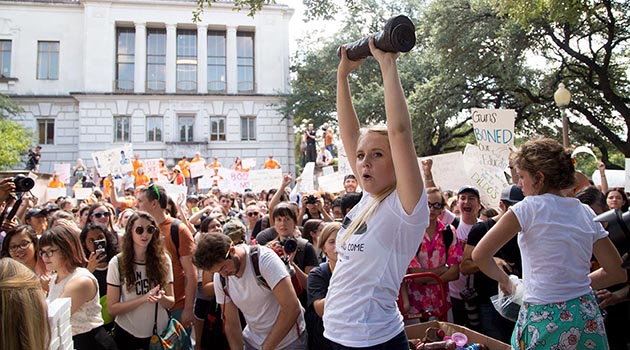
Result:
{"points": [[115, 161], [490, 182], [332, 183], [490, 155], [307, 177], [615, 178], [197, 169], [54, 193], [493, 126], [447, 170], [63, 170], [83, 193], [176, 192], [583, 149], [265, 179], [248, 163], [152, 168]]}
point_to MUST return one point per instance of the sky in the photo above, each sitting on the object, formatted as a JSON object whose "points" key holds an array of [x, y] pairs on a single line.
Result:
{"points": [[299, 29]]}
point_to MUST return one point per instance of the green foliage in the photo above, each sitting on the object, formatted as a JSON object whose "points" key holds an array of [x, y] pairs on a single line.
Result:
{"points": [[15, 138]]}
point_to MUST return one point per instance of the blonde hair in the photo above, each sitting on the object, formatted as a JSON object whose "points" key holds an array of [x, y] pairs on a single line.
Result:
{"points": [[23, 314], [361, 218]]}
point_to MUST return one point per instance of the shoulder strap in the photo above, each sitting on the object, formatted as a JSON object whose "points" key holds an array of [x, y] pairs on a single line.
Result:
{"points": [[155, 320], [447, 236], [253, 254], [455, 222], [175, 235]]}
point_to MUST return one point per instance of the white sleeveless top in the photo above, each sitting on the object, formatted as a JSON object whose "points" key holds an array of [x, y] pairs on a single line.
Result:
{"points": [[88, 316]]}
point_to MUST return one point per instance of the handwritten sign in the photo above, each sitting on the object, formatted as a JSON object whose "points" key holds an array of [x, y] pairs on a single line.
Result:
{"points": [[491, 155], [176, 192], [265, 179], [615, 178], [489, 181], [83, 193], [493, 126], [447, 170], [113, 161], [63, 170], [197, 169], [332, 183], [152, 168], [308, 175]]}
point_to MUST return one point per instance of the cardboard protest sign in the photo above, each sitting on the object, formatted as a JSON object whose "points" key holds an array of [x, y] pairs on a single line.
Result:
{"points": [[332, 183], [115, 161], [63, 170], [447, 170], [54, 193], [497, 156], [197, 169], [238, 180], [583, 149], [152, 168], [83, 193], [615, 178], [248, 163], [307, 177], [489, 181], [493, 126], [265, 179]]}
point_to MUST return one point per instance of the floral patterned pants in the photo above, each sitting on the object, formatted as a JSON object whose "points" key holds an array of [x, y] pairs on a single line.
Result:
{"points": [[573, 324]]}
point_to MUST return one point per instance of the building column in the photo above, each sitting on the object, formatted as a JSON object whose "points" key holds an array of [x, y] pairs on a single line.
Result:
{"points": [[202, 58], [171, 58], [140, 58], [230, 58]]}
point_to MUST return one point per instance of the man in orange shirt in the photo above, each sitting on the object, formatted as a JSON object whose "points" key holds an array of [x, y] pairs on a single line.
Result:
{"points": [[142, 179], [272, 163], [56, 182], [184, 165], [136, 163], [153, 200], [328, 138], [215, 164], [197, 176]]}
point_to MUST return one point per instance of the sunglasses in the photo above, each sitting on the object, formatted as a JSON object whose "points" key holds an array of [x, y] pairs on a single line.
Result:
{"points": [[100, 215], [436, 206], [253, 213], [150, 230]]}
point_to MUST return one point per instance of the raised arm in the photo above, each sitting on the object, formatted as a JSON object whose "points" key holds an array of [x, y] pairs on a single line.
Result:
{"points": [[409, 184]]}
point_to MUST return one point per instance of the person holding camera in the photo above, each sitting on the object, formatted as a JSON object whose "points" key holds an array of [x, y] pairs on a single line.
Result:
{"points": [[312, 208], [254, 280], [380, 235]]}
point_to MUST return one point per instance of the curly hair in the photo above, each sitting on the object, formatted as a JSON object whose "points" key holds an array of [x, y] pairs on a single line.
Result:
{"points": [[211, 250], [155, 257], [548, 157], [110, 248]]}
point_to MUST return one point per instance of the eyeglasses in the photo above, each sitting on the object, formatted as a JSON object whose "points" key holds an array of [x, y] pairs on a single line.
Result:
{"points": [[47, 253], [157, 192], [436, 206], [22, 245], [227, 255], [150, 230], [100, 215], [253, 213]]}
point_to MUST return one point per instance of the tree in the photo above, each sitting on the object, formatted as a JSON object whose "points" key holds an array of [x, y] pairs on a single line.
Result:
{"points": [[15, 138]]}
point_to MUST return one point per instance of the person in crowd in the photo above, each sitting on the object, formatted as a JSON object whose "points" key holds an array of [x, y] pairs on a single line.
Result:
{"points": [[128, 181], [122, 220], [139, 284], [616, 199], [22, 244], [312, 208], [56, 182], [61, 252], [23, 311], [196, 177], [184, 164], [487, 213], [337, 213], [284, 228], [348, 201], [328, 139], [162, 170], [98, 260], [122, 203], [271, 163], [271, 309], [318, 281], [311, 232], [559, 307], [78, 171], [36, 218], [324, 157], [136, 163], [350, 183], [141, 178], [328, 199], [469, 205], [100, 213], [311, 140], [215, 163], [392, 213], [508, 257], [440, 253], [33, 159], [178, 177], [84, 214], [253, 214], [153, 200]]}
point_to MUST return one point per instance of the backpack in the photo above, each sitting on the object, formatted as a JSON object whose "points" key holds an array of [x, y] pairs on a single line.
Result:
{"points": [[447, 236], [260, 280]]}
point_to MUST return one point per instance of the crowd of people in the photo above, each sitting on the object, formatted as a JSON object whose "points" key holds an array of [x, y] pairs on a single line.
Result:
{"points": [[281, 269]]}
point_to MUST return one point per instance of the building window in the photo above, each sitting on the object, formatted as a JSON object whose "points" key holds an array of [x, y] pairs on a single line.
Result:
{"points": [[121, 128], [47, 60], [186, 125], [186, 60], [248, 128], [46, 130], [154, 129], [216, 61], [5, 58], [245, 61], [125, 52], [217, 129], [156, 60]]}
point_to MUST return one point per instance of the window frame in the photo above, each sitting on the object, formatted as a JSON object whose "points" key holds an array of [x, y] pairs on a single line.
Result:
{"points": [[248, 122], [218, 136], [160, 34], [47, 122], [129, 57], [183, 60], [4, 43], [213, 67], [190, 132], [239, 65], [157, 137], [115, 135], [49, 53]]}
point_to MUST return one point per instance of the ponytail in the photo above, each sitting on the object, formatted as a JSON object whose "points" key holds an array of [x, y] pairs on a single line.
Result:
{"points": [[365, 214]]}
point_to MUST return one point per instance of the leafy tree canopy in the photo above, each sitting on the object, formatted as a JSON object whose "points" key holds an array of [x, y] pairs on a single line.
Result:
{"points": [[15, 138]]}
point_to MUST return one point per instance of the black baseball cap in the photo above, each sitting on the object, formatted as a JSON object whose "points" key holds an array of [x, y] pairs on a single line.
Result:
{"points": [[34, 212], [512, 194], [468, 189], [349, 176]]}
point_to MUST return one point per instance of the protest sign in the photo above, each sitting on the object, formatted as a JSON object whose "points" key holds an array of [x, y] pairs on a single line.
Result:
{"points": [[265, 179], [490, 182], [152, 168], [583, 149], [491, 155], [54, 193], [615, 178], [238, 180], [63, 170], [447, 170], [248, 163], [493, 126], [113, 161], [197, 169], [176, 192], [307, 177], [83, 193], [332, 183], [328, 170]]}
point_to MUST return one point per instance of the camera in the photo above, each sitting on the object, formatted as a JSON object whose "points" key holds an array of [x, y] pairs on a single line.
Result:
{"points": [[310, 199], [23, 183], [290, 245], [398, 35], [618, 225], [469, 295], [99, 247]]}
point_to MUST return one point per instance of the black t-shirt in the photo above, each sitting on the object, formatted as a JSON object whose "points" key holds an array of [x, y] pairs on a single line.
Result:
{"points": [[267, 235], [311, 141], [622, 243], [484, 285], [318, 281]]}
